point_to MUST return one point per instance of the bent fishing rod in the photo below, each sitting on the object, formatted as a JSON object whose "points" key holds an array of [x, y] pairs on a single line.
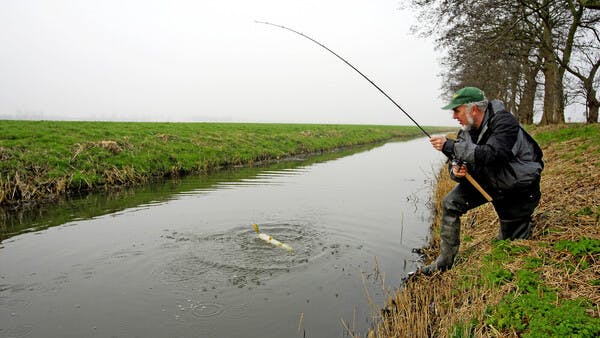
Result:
{"points": [[468, 176], [349, 64]]}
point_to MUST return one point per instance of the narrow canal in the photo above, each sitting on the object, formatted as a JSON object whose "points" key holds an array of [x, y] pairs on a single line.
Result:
{"points": [[181, 259]]}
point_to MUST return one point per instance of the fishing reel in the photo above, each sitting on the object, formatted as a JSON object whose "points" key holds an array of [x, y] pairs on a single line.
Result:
{"points": [[458, 163]]}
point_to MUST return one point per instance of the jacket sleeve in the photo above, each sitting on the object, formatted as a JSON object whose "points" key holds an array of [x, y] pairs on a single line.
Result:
{"points": [[448, 148], [464, 148], [504, 131]]}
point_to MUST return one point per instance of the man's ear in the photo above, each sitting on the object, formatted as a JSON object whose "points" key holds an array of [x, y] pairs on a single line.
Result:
{"points": [[475, 112]]}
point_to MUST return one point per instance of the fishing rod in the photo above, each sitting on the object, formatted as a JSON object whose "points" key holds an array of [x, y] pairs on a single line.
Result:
{"points": [[468, 176], [349, 64]]}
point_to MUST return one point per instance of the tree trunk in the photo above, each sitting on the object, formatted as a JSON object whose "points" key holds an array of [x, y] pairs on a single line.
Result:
{"points": [[593, 104], [553, 91], [551, 104], [528, 98], [512, 105], [559, 91]]}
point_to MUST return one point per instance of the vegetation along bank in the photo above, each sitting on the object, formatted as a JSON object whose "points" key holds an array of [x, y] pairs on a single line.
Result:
{"points": [[42, 160], [548, 286]]}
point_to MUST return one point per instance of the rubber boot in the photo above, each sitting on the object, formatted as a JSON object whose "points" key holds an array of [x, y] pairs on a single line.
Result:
{"points": [[450, 241], [515, 229]]}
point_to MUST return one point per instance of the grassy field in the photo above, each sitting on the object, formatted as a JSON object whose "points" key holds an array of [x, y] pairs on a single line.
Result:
{"points": [[548, 286], [40, 160]]}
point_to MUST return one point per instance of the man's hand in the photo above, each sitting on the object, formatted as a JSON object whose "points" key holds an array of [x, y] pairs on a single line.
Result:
{"points": [[459, 172], [437, 142]]}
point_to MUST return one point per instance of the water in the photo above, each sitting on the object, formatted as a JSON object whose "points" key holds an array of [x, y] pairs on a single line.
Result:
{"points": [[180, 259]]}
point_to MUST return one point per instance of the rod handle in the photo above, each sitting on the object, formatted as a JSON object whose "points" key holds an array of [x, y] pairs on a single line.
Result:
{"points": [[452, 136], [478, 187]]}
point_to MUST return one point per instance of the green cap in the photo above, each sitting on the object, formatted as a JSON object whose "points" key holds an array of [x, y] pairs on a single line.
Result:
{"points": [[465, 95]]}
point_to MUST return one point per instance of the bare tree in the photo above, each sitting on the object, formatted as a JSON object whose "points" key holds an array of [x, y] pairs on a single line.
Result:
{"points": [[586, 59], [502, 46], [489, 47]]}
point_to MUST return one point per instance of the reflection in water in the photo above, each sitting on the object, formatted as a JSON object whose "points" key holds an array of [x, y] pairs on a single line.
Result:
{"points": [[14, 221]]}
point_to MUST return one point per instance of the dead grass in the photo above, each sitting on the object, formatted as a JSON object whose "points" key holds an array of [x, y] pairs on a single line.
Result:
{"points": [[109, 145], [29, 188], [437, 305], [4, 154], [165, 137]]}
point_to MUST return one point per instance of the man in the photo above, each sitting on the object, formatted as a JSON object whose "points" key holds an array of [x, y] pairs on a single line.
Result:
{"points": [[503, 158]]}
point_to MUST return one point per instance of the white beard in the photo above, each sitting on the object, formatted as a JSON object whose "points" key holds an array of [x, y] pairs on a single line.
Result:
{"points": [[469, 125]]}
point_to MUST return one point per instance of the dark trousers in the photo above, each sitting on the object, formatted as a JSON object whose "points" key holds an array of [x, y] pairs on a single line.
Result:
{"points": [[514, 210]]}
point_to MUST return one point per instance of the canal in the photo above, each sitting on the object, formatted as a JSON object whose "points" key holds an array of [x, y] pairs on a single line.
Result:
{"points": [[180, 258]]}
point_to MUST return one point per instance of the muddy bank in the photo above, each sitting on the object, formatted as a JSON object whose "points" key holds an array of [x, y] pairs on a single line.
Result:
{"points": [[545, 286]]}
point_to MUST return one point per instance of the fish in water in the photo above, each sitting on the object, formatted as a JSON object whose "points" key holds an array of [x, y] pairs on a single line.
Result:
{"points": [[271, 240]]}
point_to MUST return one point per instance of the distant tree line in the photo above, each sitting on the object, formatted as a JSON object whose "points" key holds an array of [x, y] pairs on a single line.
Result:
{"points": [[524, 52]]}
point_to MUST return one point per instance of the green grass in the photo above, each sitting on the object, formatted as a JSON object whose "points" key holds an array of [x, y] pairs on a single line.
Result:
{"points": [[43, 158], [493, 272], [534, 309], [537, 311], [588, 136], [589, 132], [580, 248], [543, 314]]}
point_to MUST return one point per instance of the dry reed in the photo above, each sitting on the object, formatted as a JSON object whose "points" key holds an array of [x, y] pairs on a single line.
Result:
{"points": [[37, 186]]}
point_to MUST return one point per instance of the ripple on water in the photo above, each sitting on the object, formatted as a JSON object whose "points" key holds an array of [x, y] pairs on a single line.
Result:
{"points": [[17, 331], [239, 311], [14, 304], [183, 268], [207, 310], [238, 256]]}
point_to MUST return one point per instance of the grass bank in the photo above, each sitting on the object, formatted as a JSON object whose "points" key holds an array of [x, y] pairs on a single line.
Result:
{"points": [[548, 286], [42, 160]]}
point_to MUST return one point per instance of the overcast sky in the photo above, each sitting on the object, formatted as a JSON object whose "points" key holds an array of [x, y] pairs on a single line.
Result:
{"points": [[205, 60]]}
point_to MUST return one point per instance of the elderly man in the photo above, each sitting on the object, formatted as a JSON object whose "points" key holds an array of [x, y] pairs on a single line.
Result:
{"points": [[502, 157]]}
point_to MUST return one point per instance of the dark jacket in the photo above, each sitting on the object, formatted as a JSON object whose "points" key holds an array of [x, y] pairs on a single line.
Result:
{"points": [[499, 154]]}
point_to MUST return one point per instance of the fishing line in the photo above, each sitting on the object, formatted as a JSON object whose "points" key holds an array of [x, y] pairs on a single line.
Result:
{"points": [[467, 175], [349, 64]]}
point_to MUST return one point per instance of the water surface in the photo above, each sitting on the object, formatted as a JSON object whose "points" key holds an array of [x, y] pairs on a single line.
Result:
{"points": [[180, 258]]}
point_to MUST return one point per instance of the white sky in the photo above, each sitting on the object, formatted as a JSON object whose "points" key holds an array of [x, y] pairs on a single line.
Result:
{"points": [[202, 60]]}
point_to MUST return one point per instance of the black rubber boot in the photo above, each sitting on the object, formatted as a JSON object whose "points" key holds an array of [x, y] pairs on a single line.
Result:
{"points": [[450, 241], [515, 229]]}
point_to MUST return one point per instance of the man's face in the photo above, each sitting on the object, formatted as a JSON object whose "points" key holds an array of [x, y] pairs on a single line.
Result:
{"points": [[462, 114]]}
